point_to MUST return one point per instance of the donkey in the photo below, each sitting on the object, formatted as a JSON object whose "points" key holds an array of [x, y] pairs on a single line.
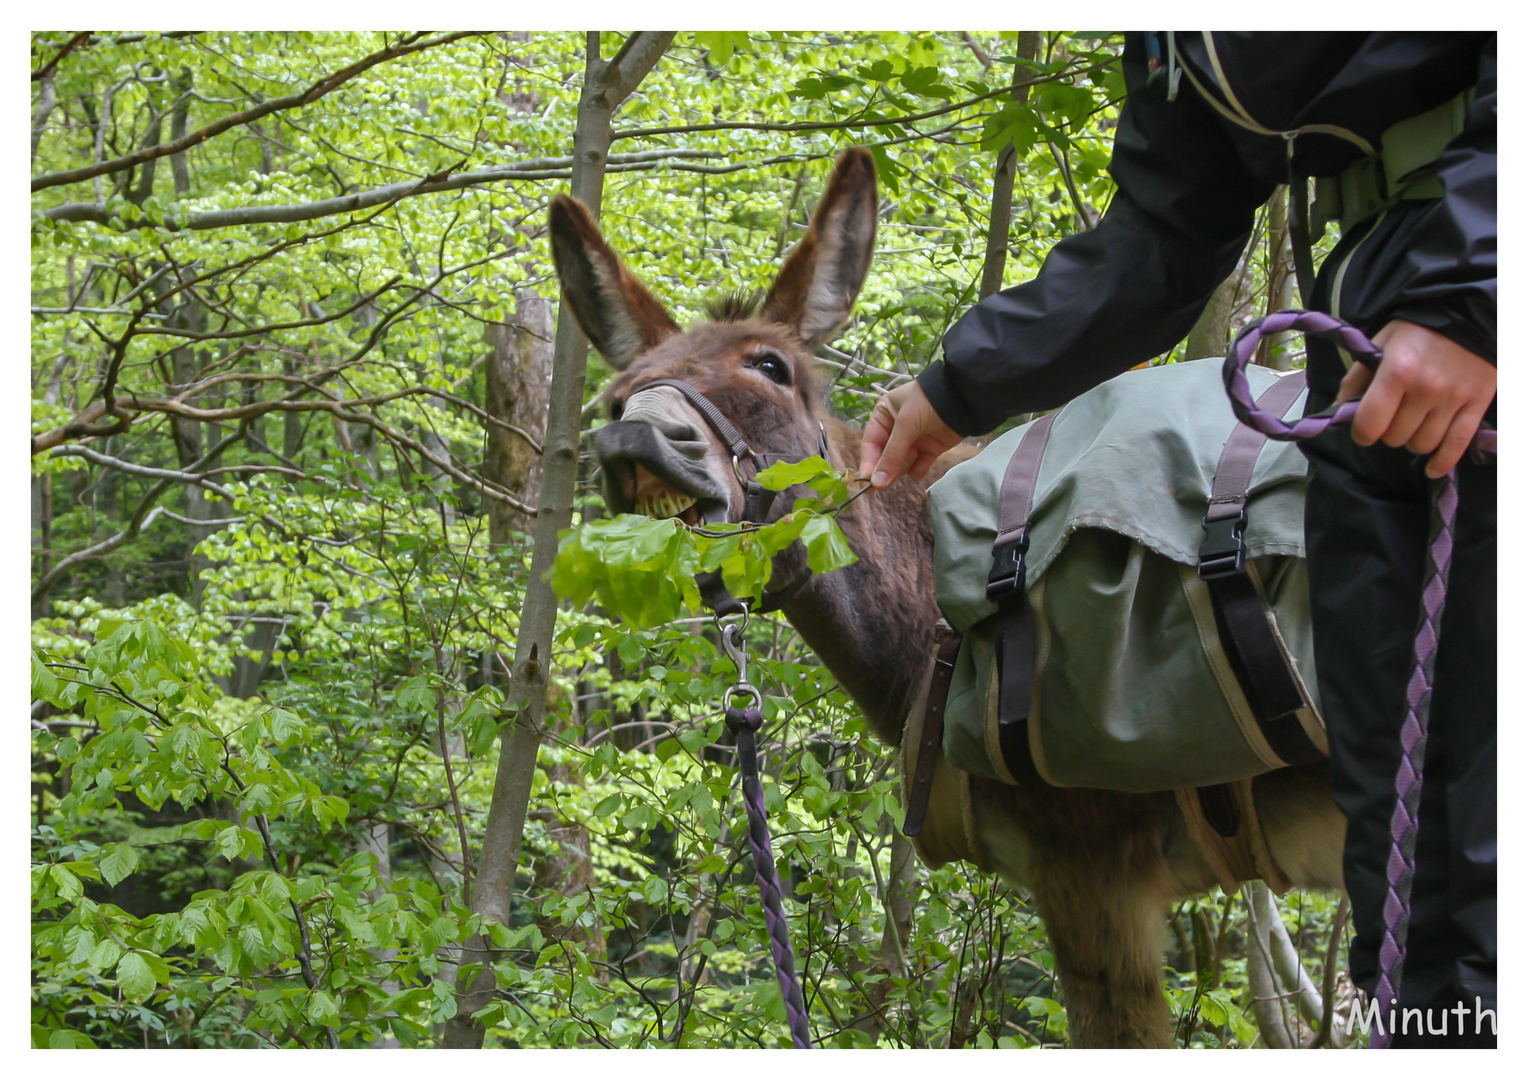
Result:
{"points": [[1102, 867]]}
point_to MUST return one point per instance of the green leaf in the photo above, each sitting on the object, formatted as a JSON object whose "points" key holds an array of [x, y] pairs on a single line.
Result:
{"points": [[783, 474], [230, 842], [135, 977], [117, 861], [286, 728], [924, 81], [321, 1009], [66, 1039], [66, 881], [631, 649], [44, 682], [827, 549], [105, 955], [720, 44]]}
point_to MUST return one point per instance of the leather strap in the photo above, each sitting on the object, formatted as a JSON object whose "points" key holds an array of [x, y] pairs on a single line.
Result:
{"points": [[931, 741], [1233, 473], [1006, 587], [1241, 617], [1017, 498]]}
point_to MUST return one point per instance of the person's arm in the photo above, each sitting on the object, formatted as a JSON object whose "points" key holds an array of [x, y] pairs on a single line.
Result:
{"points": [[1116, 295], [1450, 285], [1438, 376]]}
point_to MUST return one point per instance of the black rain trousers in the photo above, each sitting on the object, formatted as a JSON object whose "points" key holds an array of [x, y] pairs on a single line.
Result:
{"points": [[1368, 511]]}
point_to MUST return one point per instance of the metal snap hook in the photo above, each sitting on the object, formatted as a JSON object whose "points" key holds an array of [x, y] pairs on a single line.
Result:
{"points": [[737, 652]]}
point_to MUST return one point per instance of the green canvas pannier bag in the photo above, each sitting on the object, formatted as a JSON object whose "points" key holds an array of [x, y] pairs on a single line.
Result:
{"points": [[1129, 582]]}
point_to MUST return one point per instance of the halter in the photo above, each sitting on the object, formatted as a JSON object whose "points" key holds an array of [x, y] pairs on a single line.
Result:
{"points": [[757, 499]]}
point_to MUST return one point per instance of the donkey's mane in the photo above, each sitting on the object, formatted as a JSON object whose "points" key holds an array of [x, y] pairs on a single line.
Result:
{"points": [[735, 306]]}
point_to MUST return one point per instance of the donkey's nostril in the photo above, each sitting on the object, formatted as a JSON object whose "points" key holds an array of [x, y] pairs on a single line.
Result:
{"points": [[679, 433]]}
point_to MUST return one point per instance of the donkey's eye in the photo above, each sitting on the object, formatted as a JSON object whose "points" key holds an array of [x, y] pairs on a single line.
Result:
{"points": [[774, 368]]}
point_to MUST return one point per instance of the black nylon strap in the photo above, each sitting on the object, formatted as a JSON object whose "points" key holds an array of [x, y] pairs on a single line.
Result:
{"points": [[1018, 492], [723, 427], [1241, 617], [1260, 667], [1219, 807], [1299, 233]]}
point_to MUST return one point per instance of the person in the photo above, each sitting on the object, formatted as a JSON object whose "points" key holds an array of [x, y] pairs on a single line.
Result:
{"points": [[1211, 124]]}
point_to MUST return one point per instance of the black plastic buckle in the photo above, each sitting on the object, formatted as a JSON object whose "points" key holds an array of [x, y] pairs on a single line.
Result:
{"points": [[1224, 551], [1007, 575]]}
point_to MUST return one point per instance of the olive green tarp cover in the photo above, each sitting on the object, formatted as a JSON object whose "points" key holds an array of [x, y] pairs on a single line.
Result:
{"points": [[1132, 689]]}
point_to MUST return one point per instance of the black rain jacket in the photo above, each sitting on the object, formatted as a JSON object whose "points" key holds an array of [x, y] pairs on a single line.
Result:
{"points": [[1190, 182]]}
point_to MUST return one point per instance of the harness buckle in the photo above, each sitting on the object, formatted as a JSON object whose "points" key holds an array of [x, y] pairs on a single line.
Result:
{"points": [[1224, 550], [1007, 574]]}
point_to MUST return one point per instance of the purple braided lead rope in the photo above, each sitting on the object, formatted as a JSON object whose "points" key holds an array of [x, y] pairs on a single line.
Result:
{"points": [[744, 722], [1401, 868], [1404, 822]]}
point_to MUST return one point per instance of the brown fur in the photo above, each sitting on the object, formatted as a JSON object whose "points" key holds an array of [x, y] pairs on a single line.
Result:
{"points": [[1102, 866]]}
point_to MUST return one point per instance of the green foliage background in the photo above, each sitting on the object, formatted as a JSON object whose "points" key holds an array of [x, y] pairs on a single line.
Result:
{"points": [[292, 866]]}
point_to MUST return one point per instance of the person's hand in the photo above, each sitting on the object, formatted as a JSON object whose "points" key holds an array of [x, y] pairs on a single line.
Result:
{"points": [[905, 434], [1429, 395]]}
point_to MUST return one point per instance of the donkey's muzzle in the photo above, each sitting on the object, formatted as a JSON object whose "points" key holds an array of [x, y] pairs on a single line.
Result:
{"points": [[674, 454]]}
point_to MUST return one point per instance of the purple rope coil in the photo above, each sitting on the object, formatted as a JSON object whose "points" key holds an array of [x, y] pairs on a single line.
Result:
{"points": [[1401, 868], [743, 723], [1243, 403]]}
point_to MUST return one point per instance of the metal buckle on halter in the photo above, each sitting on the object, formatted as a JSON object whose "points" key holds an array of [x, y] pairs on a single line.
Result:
{"points": [[1007, 574], [1224, 551]]}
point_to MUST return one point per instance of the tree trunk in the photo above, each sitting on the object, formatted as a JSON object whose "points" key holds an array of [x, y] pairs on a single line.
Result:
{"points": [[188, 438], [1283, 994], [1000, 216], [1277, 350], [377, 840], [606, 85], [178, 117], [47, 97], [1211, 335], [518, 383]]}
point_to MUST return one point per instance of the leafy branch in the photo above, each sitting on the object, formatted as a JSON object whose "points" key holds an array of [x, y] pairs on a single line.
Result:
{"points": [[643, 569], [408, 45]]}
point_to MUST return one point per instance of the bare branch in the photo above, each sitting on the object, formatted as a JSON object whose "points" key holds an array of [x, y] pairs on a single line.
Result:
{"points": [[307, 97], [200, 479], [174, 331], [534, 169], [69, 46], [982, 55], [142, 517], [633, 61], [833, 125]]}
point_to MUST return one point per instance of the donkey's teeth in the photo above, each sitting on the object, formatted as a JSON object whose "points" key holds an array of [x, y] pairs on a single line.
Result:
{"points": [[667, 504]]}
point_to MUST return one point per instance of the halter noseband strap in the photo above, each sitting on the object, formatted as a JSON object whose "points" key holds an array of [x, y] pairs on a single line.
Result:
{"points": [[757, 499]]}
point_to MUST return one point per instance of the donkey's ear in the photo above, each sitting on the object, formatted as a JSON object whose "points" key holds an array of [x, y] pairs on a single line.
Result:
{"points": [[620, 317], [816, 288]]}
